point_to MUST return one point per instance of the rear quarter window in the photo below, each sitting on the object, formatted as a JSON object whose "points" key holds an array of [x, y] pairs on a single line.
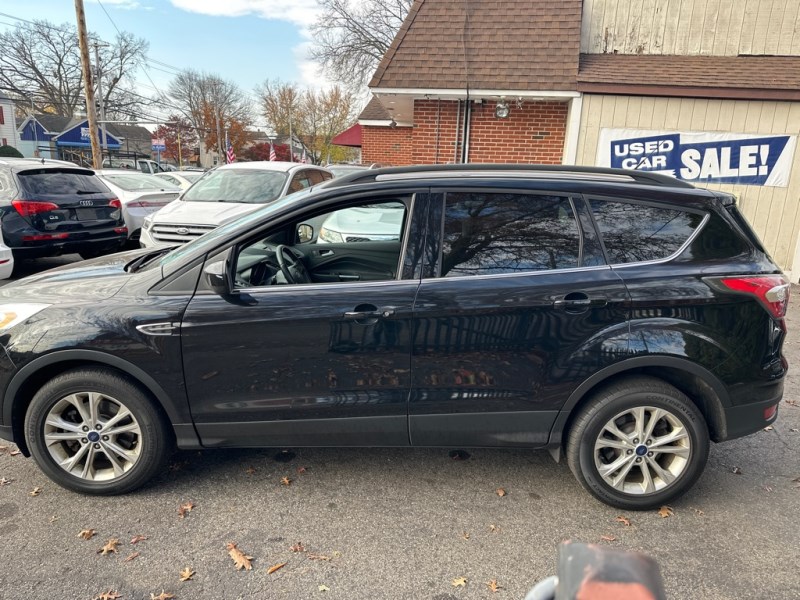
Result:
{"points": [[52, 182], [638, 232]]}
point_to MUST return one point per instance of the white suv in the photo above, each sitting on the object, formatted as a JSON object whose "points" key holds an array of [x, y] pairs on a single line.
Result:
{"points": [[224, 194]]}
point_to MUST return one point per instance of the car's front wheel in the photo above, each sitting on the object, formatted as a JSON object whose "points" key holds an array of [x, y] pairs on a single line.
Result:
{"points": [[93, 431], [638, 444]]}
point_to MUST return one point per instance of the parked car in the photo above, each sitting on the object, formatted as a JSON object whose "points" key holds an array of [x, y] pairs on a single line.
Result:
{"points": [[51, 207], [183, 179], [224, 194], [620, 318], [141, 164], [141, 195], [339, 169]]}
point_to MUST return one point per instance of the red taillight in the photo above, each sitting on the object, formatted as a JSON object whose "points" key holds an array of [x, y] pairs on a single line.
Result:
{"points": [[41, 237], [115, 203], [120, 230], [145, 204], [771, 290], [770, 412], [29, 208]]}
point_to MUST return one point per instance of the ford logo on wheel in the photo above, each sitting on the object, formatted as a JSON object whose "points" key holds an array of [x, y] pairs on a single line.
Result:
{"points": [[182, 231], [87, 203]]}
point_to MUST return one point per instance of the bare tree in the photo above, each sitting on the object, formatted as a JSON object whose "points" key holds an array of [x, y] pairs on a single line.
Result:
{"points": [[316, 115], [40, 63], [350, 38], [208, 101]]}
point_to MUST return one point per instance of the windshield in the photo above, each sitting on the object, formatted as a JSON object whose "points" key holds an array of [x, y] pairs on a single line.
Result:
{"points": [[206, 241], [248, 186], [133, 182], [339, 170], [190, 175]]}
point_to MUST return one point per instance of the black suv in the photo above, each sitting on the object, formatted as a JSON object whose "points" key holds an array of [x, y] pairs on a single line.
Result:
{"points": [[50, 207], [624, 319]]}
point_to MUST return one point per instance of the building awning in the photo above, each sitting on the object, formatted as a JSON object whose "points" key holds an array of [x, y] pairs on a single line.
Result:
{"points": [[349, 137]]}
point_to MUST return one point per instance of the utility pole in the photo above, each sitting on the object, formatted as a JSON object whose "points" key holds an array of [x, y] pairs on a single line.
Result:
{"points": [[99, 76], [88, 90]]}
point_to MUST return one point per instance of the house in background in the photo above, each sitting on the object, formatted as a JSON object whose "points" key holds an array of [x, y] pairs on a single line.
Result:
{"points": [[8, 123], [706, 90], [67, 138]]}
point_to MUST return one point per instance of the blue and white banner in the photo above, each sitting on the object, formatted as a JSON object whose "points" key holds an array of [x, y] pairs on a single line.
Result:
{"points": [[744, 159]]}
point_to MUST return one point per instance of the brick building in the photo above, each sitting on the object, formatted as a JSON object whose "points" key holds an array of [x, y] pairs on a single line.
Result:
{"points": [[709, 88]]}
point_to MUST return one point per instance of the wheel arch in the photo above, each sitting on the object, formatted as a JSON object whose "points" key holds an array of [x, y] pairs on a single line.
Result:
{"points": [[30, 378], [699, 384]]}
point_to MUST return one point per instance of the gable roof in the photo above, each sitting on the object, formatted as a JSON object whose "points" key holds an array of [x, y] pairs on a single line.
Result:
{"points": [[52, 123], [745, 77], [374, 111], [129, 132], [510, 45]]}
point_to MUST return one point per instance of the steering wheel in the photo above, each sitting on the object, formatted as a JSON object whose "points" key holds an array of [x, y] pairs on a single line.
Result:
{"points": [[291, 266]]}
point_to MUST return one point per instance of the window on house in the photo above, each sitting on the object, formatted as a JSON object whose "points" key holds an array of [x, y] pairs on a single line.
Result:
{"points": [[2, 120]]}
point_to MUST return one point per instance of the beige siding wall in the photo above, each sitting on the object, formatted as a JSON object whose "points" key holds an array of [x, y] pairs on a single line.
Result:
{"points": [[708, 27], [772, 211]]}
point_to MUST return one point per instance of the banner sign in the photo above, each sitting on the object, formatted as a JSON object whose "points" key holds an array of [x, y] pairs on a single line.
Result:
{"points": [[158, 144], [744, 159]]}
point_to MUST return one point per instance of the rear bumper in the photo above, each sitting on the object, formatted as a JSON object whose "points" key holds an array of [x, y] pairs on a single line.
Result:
{"points": [[748, 418], [76, 242]]}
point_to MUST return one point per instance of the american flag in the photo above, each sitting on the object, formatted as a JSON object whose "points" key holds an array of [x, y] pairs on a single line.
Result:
{"points": [[230, 154], [272, 155]]}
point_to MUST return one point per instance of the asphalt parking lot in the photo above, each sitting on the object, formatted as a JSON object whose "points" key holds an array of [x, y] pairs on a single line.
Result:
{"points": [[376, 523]]}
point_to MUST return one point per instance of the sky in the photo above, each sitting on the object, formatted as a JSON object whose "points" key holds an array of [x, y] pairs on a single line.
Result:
{"points": [[245, 41]]}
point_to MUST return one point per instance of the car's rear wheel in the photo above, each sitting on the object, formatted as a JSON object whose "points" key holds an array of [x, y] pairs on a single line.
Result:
{"points": [[638, 444], [93, 431]]}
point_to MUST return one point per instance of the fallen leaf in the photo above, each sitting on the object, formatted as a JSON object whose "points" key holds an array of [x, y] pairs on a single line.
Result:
{"points": [[250, 470], [768, 428], [500, 492], [624, 520], [162, 596], [109, 595], [608, 538], [323, 588], [698, 512], [494, 528], [794, 429], [311, 556], [274, 568], [35, 491], [792, 402], [138, 538], [298, 547], [187, 574], [301, 470], [53, 519], [494, 586], [131, 556], [87, 534], [465, 535], [15, 453], [5, 480], [240, 559], [736, 471], [665, 511], [459, 582], [286, 481], [459, 455], [184, 508], [110, 546], [767, 488]]}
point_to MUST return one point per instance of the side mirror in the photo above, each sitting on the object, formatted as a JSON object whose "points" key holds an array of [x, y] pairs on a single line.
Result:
{"points": [[305, 233], [216, 277]]}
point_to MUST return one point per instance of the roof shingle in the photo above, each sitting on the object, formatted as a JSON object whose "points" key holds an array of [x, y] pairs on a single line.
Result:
{"points": [[510, 45], [734, 72]]}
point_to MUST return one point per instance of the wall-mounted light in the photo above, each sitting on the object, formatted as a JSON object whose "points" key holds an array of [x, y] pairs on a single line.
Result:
{"points": [[501, 109], [393, 123]]}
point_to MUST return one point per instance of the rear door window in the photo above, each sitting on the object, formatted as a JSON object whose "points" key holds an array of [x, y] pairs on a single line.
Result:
{"points": [[639, 232], [494, 234], [52, 182]]}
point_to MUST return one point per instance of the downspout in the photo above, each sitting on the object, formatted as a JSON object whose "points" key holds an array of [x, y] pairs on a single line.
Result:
{"points": [[467, 119], [458, 132], [438, 115]]}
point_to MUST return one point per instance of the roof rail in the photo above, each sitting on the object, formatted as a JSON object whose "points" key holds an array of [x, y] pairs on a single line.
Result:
{"points": [[511, 170]]}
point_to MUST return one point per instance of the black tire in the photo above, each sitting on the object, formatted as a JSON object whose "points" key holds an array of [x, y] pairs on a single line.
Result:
{"points": [[150, 442], [615, 401]]}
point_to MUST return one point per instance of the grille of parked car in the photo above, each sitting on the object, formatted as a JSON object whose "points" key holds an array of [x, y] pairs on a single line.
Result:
{"points": [[170, 232]]}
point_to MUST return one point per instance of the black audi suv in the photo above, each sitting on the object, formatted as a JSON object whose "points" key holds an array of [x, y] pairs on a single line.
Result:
{"points": [[620, 319]]}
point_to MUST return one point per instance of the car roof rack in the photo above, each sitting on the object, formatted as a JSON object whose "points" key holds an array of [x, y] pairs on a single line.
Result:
{"points": [[523, 171]]}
